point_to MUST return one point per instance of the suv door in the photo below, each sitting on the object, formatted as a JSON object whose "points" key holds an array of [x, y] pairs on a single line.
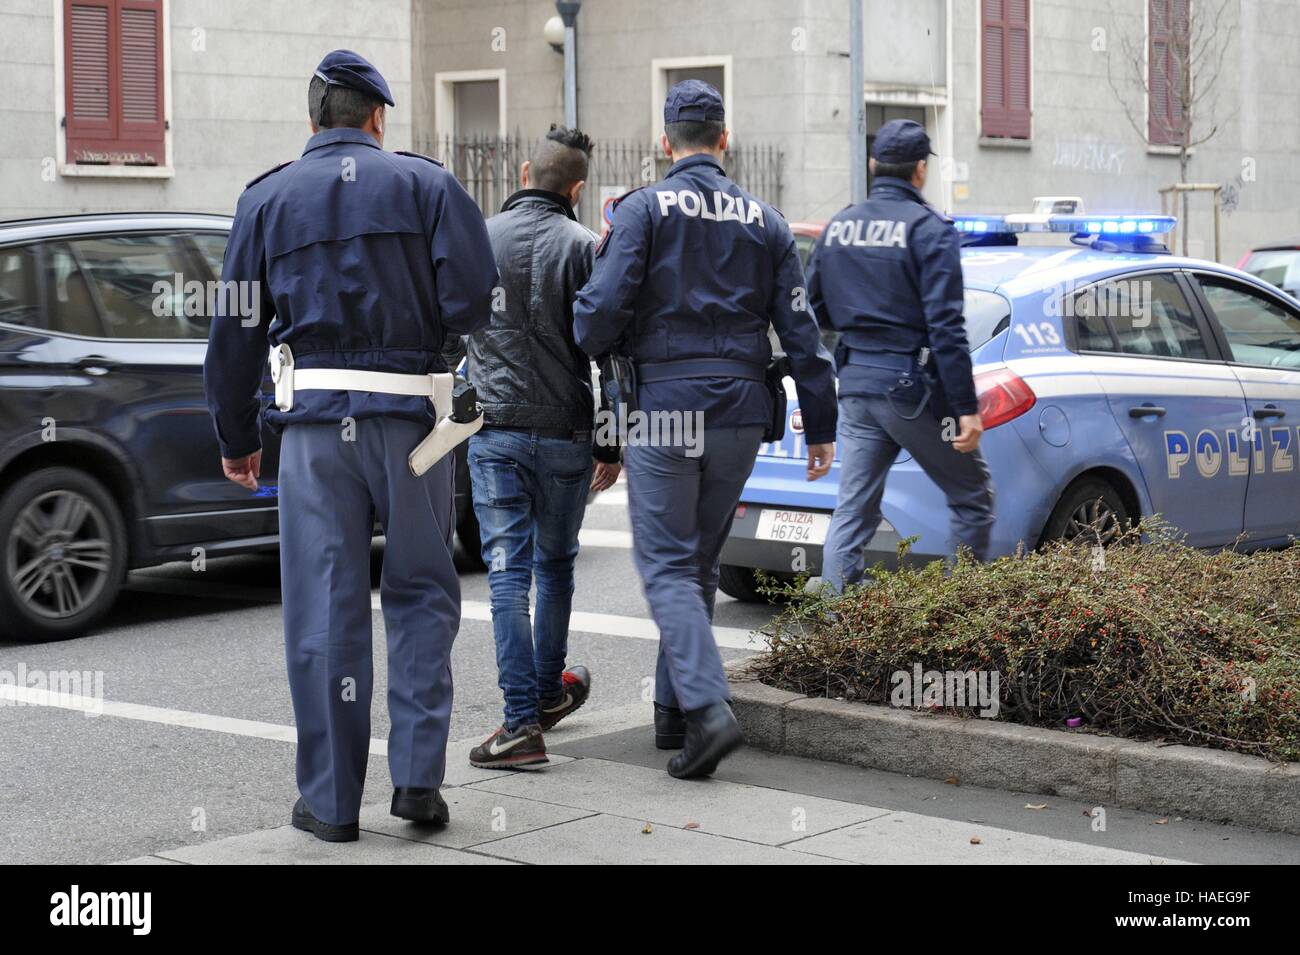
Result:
{"points": [[1261, 336], [1179, 405], [137, 347]]}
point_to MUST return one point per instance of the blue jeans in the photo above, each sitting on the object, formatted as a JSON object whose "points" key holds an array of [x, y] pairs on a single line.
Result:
{"points": [[530, 493], [871, 434]]}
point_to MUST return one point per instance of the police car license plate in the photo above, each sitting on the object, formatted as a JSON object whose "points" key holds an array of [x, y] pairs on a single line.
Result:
{"points": [[795, 527]]}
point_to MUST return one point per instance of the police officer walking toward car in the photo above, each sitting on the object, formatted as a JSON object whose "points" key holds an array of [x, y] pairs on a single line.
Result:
{"points": [[365, 259], [886, 273], [686, 282]]}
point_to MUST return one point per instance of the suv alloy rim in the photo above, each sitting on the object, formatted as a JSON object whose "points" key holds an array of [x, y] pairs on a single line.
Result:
{"points": [[58, 554]]}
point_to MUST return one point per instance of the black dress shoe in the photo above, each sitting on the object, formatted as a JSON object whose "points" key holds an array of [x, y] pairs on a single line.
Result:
{"points": [[324, 831], [420, 805], [711, 733], [670, 727]]}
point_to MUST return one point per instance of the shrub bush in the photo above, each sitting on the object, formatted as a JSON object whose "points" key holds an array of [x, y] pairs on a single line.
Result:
{"points": [[1149, 639]]}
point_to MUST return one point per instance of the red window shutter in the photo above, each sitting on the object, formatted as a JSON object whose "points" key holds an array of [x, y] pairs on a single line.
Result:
{"points": [[1168, 35], [1005, 69], [113, 59]]}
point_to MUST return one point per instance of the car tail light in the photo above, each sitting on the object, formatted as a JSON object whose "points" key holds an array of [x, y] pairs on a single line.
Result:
{"points": [[1003, 395]]}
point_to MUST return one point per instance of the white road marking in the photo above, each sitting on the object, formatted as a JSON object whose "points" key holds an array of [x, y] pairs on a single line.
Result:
{"points": [[594, 722], [611, 625], [596, 537], [616, 496]]}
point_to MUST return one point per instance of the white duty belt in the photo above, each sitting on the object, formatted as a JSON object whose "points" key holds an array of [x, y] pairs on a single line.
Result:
{"points": [[437, 387]]}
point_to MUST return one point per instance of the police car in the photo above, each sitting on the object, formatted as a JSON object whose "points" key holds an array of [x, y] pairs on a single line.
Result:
{"points": [[1115, 381]]}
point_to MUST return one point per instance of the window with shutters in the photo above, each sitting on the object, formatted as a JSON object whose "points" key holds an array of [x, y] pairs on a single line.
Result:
{"points": [[1004, 69], [113, 82], [1168, 50]]}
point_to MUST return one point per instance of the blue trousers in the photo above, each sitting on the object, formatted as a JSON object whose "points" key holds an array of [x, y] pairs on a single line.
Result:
{"points": [[870, 436], [331, 492], [681, 509], [530, 493]]}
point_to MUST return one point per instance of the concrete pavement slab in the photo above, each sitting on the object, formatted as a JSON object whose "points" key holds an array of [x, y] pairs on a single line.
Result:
{"points": [[752, 814], [477, 817], [613, 840], [289, 846], [904, 838]]}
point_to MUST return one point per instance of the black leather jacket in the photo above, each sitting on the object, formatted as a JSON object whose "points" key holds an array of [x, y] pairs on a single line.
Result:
{"points": [[525, 365]]}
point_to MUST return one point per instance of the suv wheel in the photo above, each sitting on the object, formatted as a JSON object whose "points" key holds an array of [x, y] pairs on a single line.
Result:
{"points": [[1089, 512], [64, 554]]}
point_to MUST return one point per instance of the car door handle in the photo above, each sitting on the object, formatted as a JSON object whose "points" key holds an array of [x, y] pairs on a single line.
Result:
{"points": [[96, 364], [1142, 411], [1268, 413]]}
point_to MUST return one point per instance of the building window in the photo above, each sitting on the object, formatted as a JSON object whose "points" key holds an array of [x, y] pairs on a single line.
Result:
{"points": [[113, 82], [1005, 69], [469, 105], [667, 73], [1168, 50]]}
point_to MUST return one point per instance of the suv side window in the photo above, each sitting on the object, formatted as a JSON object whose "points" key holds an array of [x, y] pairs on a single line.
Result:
{"points": [[1260, 331], [67, 295], [1146, 316], [20, 303], [126, 270]]}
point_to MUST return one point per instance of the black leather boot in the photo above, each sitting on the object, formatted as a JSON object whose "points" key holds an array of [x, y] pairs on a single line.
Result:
{"points": [[420, 805], [324, 831], [711, 733], [670, 727]]}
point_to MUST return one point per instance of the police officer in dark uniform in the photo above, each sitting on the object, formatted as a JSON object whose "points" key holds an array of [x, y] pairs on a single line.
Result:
{"points": [[887, 274], [366, 260], [686, 282]]}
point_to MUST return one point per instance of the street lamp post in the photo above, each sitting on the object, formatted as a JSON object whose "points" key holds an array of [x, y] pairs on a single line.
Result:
{"points": [[857, 106], [568, 10]]}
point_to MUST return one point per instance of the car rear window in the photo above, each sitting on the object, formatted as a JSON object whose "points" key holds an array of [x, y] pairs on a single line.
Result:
{"points": [[1281, 267], [987, 314]]}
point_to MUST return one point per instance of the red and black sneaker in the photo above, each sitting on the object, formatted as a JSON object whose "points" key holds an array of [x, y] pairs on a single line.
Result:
{"points": [[575, 688], [510, 749]]}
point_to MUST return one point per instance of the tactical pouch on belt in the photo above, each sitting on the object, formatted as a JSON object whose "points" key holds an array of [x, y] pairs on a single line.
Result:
{"points": [[618, 382], [775, 377]]}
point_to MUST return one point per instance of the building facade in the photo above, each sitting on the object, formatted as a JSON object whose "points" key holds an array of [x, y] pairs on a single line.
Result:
{"points": [[1022, 98], [117, 105]]}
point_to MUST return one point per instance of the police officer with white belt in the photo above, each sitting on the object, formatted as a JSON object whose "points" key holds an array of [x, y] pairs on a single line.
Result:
{"points": [[886, 273], [686, 281], [366, 260]]}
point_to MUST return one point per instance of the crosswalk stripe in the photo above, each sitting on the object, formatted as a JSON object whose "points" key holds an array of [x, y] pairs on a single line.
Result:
{"points": [[598, 537]]}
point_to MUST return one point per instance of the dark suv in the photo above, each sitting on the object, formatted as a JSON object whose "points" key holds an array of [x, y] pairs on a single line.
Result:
{"points": [[108, 459]]}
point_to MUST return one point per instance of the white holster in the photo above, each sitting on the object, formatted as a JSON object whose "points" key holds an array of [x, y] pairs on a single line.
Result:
{"points": [[437, 387]]}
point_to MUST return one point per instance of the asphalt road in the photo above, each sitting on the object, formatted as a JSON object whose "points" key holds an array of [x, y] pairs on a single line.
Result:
{"points": [[195, 743], [102, 789]]}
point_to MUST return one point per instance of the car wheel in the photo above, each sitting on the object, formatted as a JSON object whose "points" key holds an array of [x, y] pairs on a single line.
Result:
{"points": [[741, 583], [65, 554], [1090, 512]]}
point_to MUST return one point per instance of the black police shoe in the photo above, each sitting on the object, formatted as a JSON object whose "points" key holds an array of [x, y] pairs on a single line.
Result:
{"points": [[324, 831], [420, 804], [711, 733], [670, 727]]}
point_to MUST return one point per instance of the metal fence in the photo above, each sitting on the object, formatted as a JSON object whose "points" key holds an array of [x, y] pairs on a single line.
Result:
{"points": [[488, 167]]}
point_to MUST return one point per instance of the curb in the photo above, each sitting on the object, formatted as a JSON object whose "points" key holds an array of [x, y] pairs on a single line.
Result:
{"points": [[1169, 779]]}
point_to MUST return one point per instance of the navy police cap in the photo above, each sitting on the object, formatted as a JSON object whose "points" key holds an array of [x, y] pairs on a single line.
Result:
{"points": [[345, 68], [693, 101], [899, 141]]}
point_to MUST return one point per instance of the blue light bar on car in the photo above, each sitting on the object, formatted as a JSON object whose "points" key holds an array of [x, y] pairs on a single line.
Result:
{"points": [[1119, 225], [1111, 226]]}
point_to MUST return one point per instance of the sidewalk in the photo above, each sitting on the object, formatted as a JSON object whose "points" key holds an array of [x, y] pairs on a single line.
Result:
{"points": [[606, 799]]}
